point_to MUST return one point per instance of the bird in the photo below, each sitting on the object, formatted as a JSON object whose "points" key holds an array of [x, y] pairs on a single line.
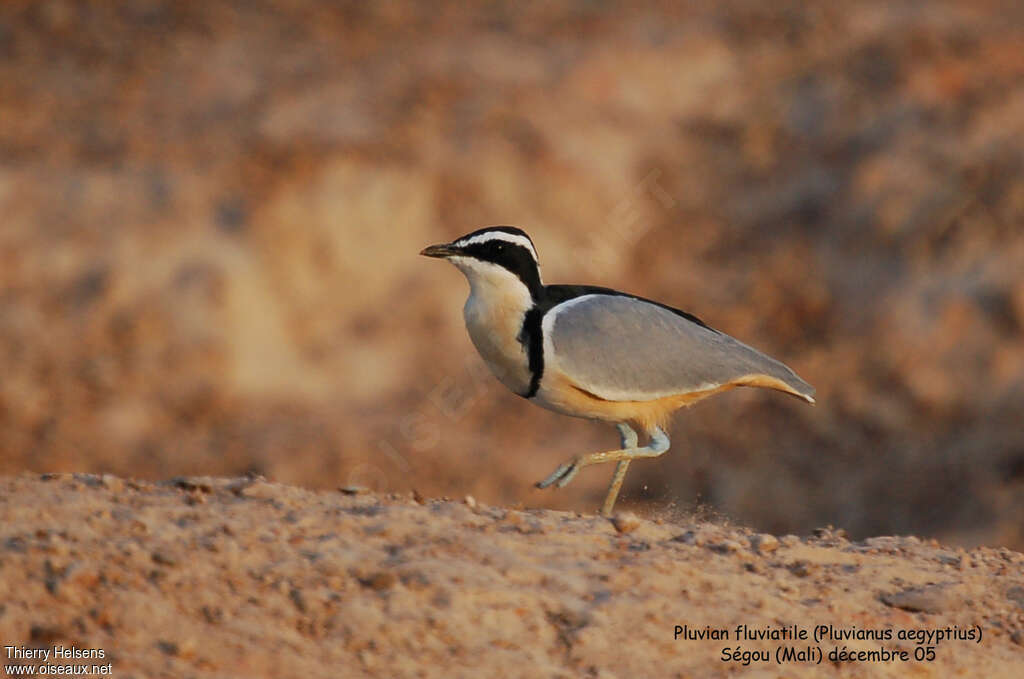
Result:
{"points": [[595, 352]]}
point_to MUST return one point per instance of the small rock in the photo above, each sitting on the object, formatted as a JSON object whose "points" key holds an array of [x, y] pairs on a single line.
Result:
{"points": [[567, 623], [802, 568], [929, 599], [470, 501], [91, 480], [189, 484], [163, 558], [258, 490], [442, 599], [366, 510], [886, 544], [45, 635], [379, 581], [16, 543], [1016, 595], [789, 540], [168, 647], [353, 490], [295, 594], [415, 579], [625, 522], [253, 489], [687, 538], [764, 543], [725, 547], [523, 523], [830, 535], [213, 614], [112, 483]]}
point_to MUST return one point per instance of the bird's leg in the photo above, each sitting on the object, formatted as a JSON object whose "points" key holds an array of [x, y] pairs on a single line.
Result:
{"points": [[629, 442], [567, 472], [628, 436]]}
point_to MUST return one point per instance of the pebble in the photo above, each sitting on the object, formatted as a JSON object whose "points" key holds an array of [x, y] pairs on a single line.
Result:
{"points": [[295, 594], [764, 543], [259, 490], [725, 546], [167, 647], [112, 483], [163, 558], [688, 538], [379, 581], [523, 523], [930, 599], [802, 568], [1016, 595], [625, 522], [353, 490]]}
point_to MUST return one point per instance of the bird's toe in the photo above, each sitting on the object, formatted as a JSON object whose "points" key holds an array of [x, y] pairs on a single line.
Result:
{"points": [[561, 476], [554, 476], [569, 475]]}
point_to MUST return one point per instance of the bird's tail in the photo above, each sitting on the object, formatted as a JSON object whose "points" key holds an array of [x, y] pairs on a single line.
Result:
{"points": [[787, 382]]}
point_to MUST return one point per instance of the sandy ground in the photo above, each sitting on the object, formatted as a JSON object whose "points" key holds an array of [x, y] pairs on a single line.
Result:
{"points": [[218, 577]]}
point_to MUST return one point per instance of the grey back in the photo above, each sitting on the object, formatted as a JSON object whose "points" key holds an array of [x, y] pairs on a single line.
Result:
{"points": [[620, 348]]}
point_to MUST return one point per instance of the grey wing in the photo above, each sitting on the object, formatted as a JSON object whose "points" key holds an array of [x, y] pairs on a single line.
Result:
{"points": [[621, 348]]}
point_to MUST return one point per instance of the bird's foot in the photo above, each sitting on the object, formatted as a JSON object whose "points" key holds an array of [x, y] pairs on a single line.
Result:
{"points": [[567, 472], [564, 474]]}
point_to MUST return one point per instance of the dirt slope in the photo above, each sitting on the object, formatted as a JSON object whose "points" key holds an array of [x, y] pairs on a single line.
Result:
{"points": [[211, 577]]}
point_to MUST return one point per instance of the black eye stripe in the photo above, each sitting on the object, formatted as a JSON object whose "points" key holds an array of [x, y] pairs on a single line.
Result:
{"points": [[511, 256], [494, 249]]}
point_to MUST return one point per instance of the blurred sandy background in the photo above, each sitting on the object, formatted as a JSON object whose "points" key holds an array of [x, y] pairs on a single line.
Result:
{"points": [[210, 214]]}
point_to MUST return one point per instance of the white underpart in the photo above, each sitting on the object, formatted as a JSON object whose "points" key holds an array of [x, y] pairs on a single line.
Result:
{"points": [[500, 235], [551, 362], [494, 313]]}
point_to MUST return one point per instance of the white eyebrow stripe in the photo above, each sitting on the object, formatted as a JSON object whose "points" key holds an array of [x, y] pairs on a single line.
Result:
{"points": [[501, 235]]}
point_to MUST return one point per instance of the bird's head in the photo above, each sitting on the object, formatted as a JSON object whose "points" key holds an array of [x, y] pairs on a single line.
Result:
{"points": [[495, 255]]}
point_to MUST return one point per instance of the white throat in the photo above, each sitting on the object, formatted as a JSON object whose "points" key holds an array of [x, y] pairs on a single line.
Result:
{"points": [[494, 314], [487, 279]]}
